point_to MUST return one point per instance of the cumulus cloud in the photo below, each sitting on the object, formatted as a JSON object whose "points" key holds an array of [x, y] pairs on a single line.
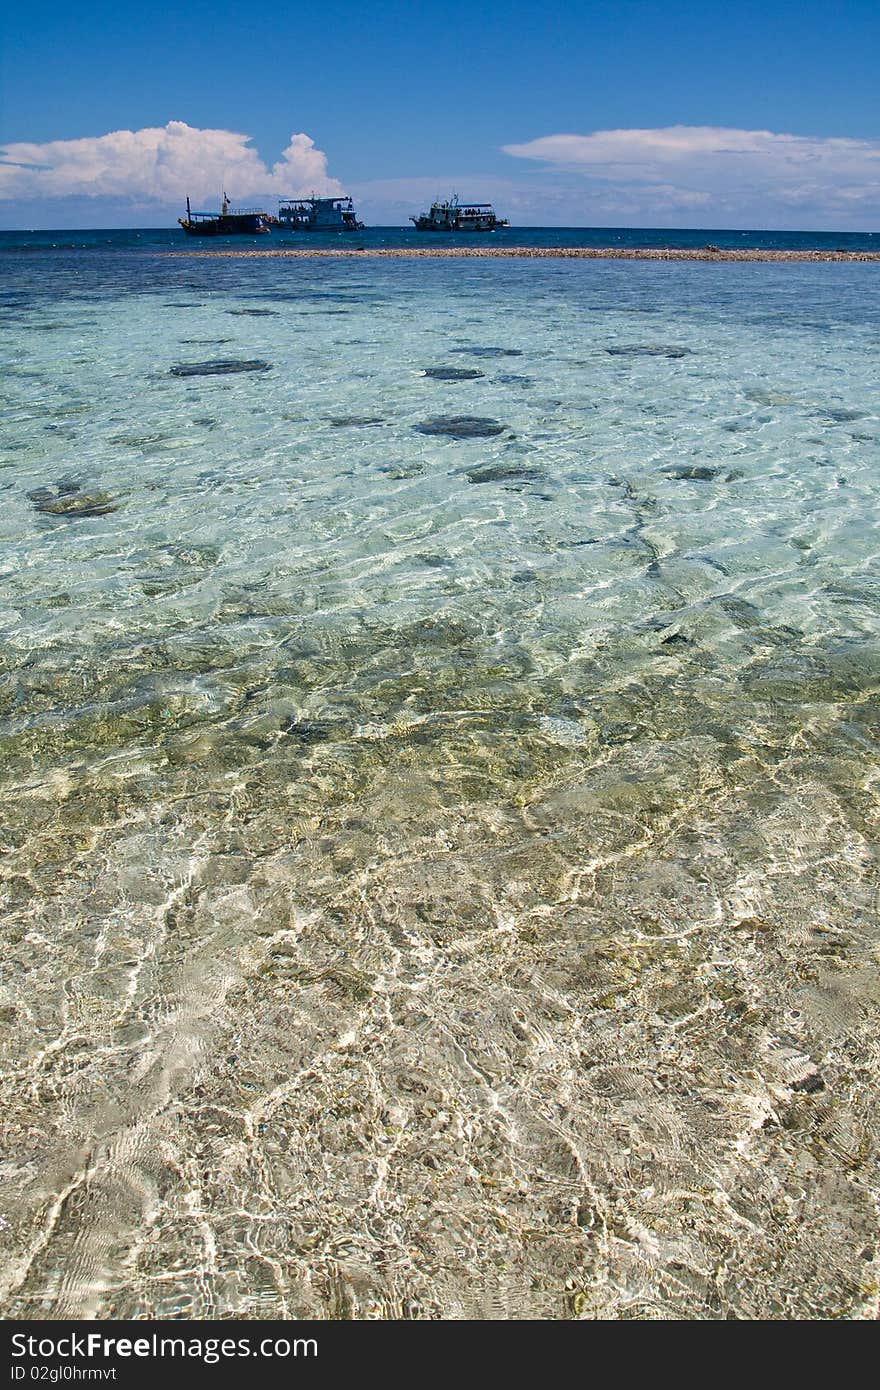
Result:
{"points": [[162, 165], [719, 169], [676, 176]]}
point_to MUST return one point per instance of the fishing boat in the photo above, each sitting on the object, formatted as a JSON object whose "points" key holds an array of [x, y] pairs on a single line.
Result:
{"points": [[455, 216], [318, 215], [228, 222]]}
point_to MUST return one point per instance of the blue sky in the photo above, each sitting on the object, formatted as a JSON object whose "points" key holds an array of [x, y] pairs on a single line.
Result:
{"points": [[406, 100]]}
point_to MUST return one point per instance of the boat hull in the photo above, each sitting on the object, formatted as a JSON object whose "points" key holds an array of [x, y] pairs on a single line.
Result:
{"points": [[244, 224], [425, 226], [453, 216], [288, 225]]}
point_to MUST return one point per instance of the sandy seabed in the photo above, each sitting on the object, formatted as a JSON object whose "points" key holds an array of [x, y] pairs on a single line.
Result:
{"points": [[439, 743]]}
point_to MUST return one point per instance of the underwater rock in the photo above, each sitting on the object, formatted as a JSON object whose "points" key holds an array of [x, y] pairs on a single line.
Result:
{"points": [[696, 473], [452, 373], [505, 473], [397, 472], [840, 416], [141, 441], [647, 350], [761, 396], [82, 505], [67, 485], [200, 555], [308, 730], [461, 426], [810, 1083], [68, 499], [342, 421], [220, 367]]}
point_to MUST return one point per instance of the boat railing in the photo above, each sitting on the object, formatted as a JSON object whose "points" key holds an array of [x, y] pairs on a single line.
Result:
{"points": [[338, 201], [230, 212]]}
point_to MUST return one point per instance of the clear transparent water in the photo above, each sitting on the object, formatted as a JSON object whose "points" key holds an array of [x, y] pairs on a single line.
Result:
{"points": [[439, 872]]}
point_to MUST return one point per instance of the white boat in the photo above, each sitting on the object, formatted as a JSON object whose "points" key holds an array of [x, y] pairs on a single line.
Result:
{"points": [[318, 215], [455, 216]]}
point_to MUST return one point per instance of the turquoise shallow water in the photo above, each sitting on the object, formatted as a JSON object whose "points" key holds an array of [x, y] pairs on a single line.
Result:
{"points": [[439, 857]]}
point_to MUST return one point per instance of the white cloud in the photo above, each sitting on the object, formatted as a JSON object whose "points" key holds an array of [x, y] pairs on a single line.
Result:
{"points": [[163, 164], [675, 176], [720, 171]]}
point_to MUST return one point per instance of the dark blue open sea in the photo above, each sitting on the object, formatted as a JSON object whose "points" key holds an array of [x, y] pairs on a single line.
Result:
{"points": [[439, 731], [170, 238]]}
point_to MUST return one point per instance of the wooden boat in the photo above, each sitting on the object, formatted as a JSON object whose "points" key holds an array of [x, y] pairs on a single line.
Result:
{"points": [[228, 222]]}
